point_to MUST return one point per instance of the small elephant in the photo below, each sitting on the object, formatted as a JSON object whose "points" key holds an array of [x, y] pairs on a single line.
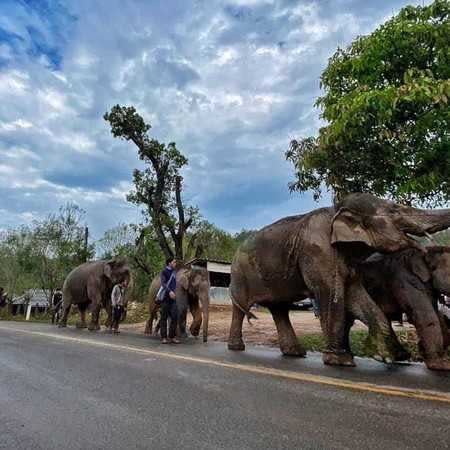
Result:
{"points": [[317, 255], [89, 286], [192, 291], [410, 282]]}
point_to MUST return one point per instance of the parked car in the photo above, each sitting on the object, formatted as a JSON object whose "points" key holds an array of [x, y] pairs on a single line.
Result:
{"points": [[302, 305]]}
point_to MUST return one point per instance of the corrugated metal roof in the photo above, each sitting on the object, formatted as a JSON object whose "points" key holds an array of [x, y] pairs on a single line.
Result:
{"points": [[37, 297], [206, 260]]}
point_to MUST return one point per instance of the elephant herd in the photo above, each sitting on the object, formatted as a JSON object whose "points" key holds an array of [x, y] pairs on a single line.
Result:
{"points": [[358, 259]]}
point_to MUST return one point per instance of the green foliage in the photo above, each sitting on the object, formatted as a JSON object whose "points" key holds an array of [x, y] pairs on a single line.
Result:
{"points": [[140, 248], [442, 238], [208, 241], [358, 338], [42, 255], [387, 113], [17, 260], [158, 187]]}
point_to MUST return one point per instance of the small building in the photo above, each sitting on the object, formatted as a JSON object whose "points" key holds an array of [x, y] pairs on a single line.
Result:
{"points": [[219, 278], [38, 298]]}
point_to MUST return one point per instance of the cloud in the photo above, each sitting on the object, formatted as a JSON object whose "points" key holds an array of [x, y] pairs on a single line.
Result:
{"points": [[232, 82]]}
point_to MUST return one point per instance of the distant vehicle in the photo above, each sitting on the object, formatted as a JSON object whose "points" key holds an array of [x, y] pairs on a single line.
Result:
{"points": [[302, 305]]}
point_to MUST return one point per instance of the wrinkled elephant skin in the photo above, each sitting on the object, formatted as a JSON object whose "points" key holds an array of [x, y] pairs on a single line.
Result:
{"points": [[89, 286], [410, 282], [317, 255], [192, 292]]}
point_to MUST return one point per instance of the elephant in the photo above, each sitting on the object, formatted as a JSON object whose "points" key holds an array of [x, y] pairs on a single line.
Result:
{"points": [[317, 255], [411, 282], [192, 289], [89, 286]]}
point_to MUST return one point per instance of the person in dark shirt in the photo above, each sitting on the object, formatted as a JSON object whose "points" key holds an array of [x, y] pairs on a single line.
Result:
{"points": [[169, 304], [57, 301], [2, 298]]}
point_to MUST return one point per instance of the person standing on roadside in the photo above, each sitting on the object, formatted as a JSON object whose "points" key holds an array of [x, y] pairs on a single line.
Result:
{"points": [[169, 304], [57, 301], [117, 305]]}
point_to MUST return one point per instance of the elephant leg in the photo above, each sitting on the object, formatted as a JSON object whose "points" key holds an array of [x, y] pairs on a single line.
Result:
{"points": [[381, 340], [349, 321], [182, 306], [95, 315], [63, 322], [82, 323], [334, 326], [108, 322], [287, 339], [157, 326], [196, 318], [235, 341], [445, 329], [328, 287], [153, 312], [431, 338]]}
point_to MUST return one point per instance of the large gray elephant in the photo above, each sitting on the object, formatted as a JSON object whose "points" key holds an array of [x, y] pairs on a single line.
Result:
{"points": [[411, 282], [317, 255], [192, 291], [89, 286]]}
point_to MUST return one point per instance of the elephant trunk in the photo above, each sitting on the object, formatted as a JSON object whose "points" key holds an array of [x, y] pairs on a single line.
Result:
{"points": [[205, 310], [419, 222]]}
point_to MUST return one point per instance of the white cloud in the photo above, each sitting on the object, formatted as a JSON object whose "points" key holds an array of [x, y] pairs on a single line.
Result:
{"points": [[230, 81], [15, 125]]}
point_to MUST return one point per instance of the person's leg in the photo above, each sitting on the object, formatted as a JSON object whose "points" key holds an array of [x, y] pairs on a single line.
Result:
{"points": [[173, 311], [117, 316], [163, 320], [113, 318]]}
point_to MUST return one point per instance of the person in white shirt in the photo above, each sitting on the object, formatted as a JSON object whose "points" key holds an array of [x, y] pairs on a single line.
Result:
{"points": [[117, 305]]}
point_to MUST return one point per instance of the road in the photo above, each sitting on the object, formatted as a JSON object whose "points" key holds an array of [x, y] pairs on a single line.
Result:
{"points": [[71, 389]]}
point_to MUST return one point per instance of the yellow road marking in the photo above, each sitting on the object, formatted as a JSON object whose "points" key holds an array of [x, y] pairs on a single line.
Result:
{"points": [[262, 370]]}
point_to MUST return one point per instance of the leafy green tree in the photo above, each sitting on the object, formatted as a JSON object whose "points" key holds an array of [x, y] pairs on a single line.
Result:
{"points": [[58, 245], [43, 254], [157, 188], [209, 241], [387, 116], [17, 261], [139, 246]]}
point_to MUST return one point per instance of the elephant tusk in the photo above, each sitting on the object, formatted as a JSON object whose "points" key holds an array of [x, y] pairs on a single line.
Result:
{"points": [[430, 238]]}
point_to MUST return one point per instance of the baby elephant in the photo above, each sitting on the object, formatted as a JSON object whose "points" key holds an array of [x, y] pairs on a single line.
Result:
{"points": [[192, 291], [411, 282]]}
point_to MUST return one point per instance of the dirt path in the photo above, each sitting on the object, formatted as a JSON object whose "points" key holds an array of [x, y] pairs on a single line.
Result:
{"points": [[261, 331]]}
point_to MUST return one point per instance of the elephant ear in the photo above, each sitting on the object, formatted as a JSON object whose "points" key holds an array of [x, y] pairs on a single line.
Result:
{"points": [[375, 231], [419, 268], [107, 270]]}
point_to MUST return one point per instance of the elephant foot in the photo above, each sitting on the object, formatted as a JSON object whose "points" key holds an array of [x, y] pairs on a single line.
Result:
{"points": [[338, 359], [386, 350], [438, 364], [294, 351], [205, 339], [80, 325], [62, 325], [194, 331], [93, 327], [236, 346]]}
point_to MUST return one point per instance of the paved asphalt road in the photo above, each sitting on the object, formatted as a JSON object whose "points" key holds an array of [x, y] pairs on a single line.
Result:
{"points": [[70, 389]]}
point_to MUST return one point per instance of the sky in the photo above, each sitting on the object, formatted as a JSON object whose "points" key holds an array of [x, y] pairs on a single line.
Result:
{"points": [[232, 82]]}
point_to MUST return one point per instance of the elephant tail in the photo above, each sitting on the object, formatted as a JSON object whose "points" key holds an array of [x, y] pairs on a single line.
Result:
{"points": [[246, 311]]}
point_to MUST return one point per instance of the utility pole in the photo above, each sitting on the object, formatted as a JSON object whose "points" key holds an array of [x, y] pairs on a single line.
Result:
{"points": [[86, 235]]}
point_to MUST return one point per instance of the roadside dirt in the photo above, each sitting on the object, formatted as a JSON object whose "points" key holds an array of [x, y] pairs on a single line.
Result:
{"points": [[261, 331]]}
